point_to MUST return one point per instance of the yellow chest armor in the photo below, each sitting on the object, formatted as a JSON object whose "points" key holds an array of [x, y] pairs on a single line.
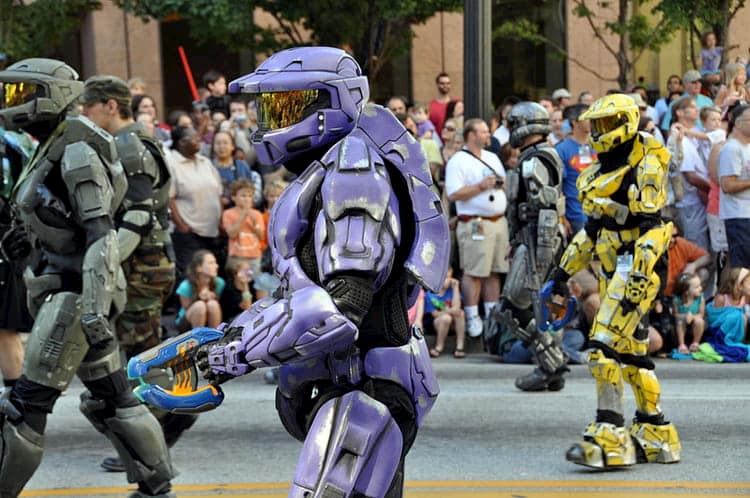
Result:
{"points": [[596, 188], [646, 194]]}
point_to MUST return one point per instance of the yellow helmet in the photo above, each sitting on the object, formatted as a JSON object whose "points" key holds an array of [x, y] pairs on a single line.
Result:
{"points": [[614, 120]]}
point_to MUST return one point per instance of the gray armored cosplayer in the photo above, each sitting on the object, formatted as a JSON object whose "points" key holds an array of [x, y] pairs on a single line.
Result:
{"points": [[67, 197]]}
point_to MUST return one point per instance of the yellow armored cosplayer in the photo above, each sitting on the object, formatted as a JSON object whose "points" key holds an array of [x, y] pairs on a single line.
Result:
{"points": [[622, 195]]}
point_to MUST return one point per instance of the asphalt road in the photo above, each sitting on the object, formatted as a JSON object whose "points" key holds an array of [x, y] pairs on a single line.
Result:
{"points": [[484, 438]]}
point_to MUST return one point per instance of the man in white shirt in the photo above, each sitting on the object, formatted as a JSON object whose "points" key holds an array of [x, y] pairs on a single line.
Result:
{"points": [[474, 180], [695, 178], [734, 178]]}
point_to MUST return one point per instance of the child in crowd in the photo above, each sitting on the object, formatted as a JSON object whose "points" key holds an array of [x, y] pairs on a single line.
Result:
{"points": [[689, 310], [425, 128], [733, 289], [716, 136], [238, 295], [199, 293], [443, 312], [244, 225], [218, 100], [710, 58], [727, 315]]}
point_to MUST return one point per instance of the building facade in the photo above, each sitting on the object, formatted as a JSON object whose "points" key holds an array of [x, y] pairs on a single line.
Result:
{"points": [[112, 42]]}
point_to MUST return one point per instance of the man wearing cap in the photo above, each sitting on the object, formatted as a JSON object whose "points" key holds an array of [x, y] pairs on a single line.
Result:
{"points": [[692, 83], [142, 220], [561, 98]]}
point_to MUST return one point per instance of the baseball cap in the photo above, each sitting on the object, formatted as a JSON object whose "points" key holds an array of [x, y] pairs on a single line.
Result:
{"points": [[561, 93], [638, 100], [103, 88], [691, 76]]}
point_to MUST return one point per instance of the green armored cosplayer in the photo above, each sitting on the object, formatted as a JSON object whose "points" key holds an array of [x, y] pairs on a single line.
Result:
{"points": [[67, 197]]}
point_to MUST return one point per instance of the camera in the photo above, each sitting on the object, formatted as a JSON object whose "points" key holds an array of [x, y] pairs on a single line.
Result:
{"points": [[499, 182]]}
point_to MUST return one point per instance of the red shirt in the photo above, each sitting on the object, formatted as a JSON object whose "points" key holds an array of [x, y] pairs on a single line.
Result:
{"points": [[681, 253], [438, 111]]}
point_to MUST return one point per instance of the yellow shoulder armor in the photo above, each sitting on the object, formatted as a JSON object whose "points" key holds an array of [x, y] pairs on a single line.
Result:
{"points": [[649, 192]]}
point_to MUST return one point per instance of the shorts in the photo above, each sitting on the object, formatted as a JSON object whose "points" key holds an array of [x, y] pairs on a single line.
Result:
{"points": [[717, 233], [479, 258]]}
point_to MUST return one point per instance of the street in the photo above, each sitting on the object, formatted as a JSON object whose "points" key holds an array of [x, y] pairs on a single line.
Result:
{"points": [[483, 438]]}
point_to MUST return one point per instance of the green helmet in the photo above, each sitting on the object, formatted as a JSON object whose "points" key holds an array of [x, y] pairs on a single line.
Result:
{"points": [[36, 90]]}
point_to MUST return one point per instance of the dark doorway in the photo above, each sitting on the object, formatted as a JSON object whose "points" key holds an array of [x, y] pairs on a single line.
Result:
{"points": [[202, 58], [519, 67]]}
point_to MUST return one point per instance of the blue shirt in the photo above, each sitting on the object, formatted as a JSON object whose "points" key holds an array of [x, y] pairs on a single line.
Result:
{"points": [[573, 163], [435, 302], [185, 289]]}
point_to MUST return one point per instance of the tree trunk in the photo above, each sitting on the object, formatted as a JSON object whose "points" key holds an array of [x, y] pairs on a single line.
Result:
{"points": [[723, 38]]}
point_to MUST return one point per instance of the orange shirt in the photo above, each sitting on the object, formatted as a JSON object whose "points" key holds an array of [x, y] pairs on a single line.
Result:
{"points": [[681, 253], [266, 217], [246, 244]]}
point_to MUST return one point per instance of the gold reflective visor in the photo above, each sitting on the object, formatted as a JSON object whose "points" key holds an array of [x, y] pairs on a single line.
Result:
{"points": [[281, 109], [606, 124], [15, 94]]}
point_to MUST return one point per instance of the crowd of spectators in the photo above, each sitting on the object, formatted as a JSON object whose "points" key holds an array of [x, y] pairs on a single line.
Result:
{"points": [[221, 197]]}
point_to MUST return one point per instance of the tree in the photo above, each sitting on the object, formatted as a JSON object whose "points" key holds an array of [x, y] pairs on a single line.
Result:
{"points": [[697, 15], [619, 20], [31, 28], [374, 30]]}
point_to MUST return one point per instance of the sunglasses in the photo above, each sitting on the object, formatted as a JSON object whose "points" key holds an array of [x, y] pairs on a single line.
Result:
{"points": [[449, 128]]}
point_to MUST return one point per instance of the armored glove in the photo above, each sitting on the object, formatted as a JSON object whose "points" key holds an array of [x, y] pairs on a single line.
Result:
{"points": [[15, 244], [558, 306], [224, 359]]}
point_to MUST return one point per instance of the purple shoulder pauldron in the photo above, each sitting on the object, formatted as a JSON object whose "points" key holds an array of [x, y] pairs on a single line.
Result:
{"points": [[428, 258]]}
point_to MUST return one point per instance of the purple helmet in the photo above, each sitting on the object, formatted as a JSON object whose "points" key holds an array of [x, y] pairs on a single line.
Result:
{"points": [[306, 98]]}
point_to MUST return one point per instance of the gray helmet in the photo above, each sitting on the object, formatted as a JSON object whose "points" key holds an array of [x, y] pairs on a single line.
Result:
{"points": [[36, 90], [526, 119]]}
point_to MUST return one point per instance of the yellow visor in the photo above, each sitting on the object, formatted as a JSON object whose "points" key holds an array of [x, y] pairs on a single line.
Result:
{"points": [[281, 109], [15, 94], [605, 124]]}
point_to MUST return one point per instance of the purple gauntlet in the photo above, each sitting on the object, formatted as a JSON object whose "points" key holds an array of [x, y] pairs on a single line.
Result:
{"points": [[284, 330]]}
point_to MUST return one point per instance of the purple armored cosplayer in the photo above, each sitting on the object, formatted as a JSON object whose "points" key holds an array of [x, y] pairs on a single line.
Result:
{"points": [[352, 238]]}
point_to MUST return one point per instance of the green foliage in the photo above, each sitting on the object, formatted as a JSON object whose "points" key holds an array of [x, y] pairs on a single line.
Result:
{"points": [[521, 29], [31, 29], [226, 22], [375, 30], [706, 12]]}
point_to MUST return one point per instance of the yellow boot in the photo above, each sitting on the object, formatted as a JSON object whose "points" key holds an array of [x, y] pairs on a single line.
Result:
{"points": [[657, 443], [604, 446]]}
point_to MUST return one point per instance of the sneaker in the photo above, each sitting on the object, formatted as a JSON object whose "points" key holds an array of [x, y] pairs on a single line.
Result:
{"points": [[474, 326], [113, 464]]}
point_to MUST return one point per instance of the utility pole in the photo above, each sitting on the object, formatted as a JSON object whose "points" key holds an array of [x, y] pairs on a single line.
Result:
{"points": [[478, 58]]}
